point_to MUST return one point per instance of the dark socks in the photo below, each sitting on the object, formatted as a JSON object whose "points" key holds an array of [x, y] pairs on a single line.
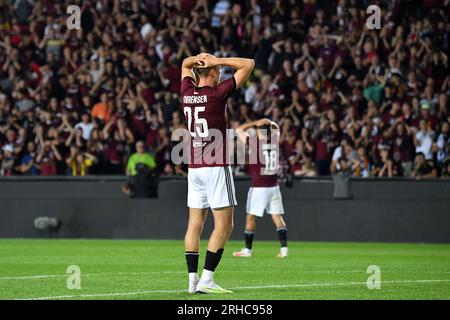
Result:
{"points": [[191, 261], [249, 238], [282, 235], [212, 259]]}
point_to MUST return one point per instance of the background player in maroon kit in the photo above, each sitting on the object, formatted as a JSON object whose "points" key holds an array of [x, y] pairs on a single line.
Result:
{"points": [[210, 180], [264, 194]]}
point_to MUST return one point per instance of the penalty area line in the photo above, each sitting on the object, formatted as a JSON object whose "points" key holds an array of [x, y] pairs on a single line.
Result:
{"points": [[304, 285]]}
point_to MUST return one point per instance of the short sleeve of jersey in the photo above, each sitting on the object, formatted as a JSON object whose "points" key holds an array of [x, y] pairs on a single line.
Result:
{"points": [[186, 84], [226, 88]]}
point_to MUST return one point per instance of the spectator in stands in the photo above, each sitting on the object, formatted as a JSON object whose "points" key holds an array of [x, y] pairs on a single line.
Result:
{"points": [[344, 166], [423, 168], [402, 146], [320, 73], [364, 169], [446, 169], [28, 165], [101, 110], [139, 162], [86, 126], [79, 162], [385, 165], [307, 169], [140, 158], [7, 161], [442, 144]]}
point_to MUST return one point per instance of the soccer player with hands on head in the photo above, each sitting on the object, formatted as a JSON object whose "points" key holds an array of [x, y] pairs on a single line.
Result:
{"points": [[210, 181], [264, 195]]}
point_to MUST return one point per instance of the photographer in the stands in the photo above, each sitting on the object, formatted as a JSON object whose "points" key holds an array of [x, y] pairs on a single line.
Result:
{"points": [[141, 172]]}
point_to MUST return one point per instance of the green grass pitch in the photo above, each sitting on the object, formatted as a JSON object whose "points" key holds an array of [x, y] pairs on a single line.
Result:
{"points": [[153, 269]]}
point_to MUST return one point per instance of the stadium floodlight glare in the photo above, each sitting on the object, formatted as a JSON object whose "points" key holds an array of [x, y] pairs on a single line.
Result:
{"points": [[44, 223]]}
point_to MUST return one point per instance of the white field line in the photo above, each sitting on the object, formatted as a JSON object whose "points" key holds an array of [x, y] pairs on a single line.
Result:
{"points": [[47, 276], [305, 285]]}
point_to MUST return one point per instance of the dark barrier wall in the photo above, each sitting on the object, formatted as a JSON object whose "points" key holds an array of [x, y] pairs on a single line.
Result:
{"points": [[94, 207]]}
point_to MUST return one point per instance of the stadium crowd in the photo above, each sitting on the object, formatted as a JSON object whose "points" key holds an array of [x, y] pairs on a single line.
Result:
{"points": [[75, 102]]}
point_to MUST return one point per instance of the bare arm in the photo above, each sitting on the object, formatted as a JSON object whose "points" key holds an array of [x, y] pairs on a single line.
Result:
{"points": [[243, 66], [188, 64], [241, 130], [56, 152], [242, 135], [432, 174]]}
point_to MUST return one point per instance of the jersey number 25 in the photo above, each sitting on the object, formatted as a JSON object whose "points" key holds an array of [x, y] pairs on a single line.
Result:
{"points": [[200, 124]]}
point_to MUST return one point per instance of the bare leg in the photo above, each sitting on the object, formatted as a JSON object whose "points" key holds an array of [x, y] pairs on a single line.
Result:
{"points": [[197, 218], [278, 221], [223, 225], [250, 223]]}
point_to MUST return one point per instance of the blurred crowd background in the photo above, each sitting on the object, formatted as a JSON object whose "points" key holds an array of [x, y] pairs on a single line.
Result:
{"points": [[371, 102]]}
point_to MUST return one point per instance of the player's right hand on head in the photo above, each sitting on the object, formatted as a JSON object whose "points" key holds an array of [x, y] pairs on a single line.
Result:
{"points": [[274, 125]]}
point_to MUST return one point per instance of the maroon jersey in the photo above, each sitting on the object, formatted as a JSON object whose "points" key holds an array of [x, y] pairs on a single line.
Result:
{"points": [[206, 118], [264, 171]]}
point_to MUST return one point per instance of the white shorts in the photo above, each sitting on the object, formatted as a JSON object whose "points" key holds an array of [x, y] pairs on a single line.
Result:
{"points": [[210, 187], [264, 199]]}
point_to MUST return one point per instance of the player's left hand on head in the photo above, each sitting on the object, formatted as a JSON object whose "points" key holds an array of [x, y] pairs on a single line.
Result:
{"points": [[199, 62], [208, 59]]}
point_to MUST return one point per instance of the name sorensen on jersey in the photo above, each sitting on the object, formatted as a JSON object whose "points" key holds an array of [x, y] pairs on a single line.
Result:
{"points": [[195, 99]]}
